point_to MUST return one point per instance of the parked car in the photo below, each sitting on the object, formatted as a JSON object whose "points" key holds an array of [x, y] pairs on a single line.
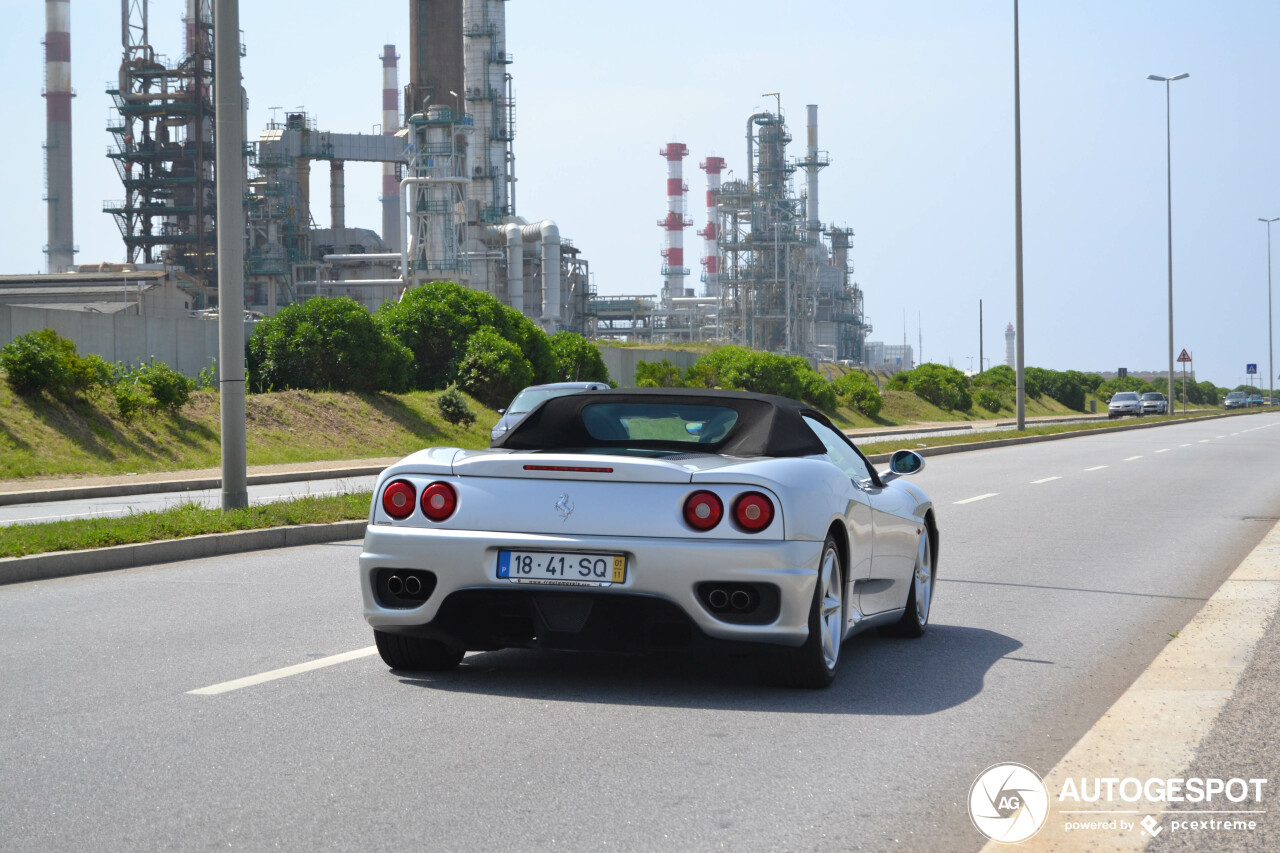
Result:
{"points": [[1235, 400], [635, 519], [530, 397], [1255, 399], [1124, 403], [1153, 402]]}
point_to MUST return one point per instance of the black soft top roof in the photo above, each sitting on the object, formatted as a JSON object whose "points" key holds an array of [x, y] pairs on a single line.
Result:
{"points": [[766, 425]]}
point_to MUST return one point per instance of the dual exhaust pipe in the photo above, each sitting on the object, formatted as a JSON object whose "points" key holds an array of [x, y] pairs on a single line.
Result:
{"points": [[411, 585], [739, 600]]}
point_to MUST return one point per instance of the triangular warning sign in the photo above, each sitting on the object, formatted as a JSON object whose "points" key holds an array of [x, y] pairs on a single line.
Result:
{"points": [[1183, 356]]}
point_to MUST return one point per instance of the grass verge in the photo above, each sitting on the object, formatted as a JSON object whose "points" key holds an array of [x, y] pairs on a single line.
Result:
{"points": [[18, 540], [890, 445]]}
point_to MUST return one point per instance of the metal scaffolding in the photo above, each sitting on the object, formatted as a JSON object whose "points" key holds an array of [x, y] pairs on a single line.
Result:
{"points": [[162, 130]]}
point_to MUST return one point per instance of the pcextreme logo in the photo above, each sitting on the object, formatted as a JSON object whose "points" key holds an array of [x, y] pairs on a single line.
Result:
{"points": [[1008, 803]]}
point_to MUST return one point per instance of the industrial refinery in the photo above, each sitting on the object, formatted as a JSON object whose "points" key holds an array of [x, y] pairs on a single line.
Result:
{"points": [[774, 275]]}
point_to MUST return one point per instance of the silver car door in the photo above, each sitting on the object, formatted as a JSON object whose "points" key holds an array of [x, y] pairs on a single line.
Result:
{"points": [[897, 539], [858, 513]]}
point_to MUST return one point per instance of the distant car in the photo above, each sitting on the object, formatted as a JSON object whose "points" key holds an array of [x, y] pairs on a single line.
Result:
{"points": [[1153, 402], [1255, 399], [650, 518], [530, 397], [1125, 403], [1235, 400]]}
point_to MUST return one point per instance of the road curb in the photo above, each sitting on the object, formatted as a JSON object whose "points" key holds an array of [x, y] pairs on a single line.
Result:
{"points": [[1033, 439], [150, 487], [67, 563], [1155, 728]]}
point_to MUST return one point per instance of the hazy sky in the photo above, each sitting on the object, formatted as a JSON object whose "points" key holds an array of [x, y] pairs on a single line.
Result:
{"points": [[915, 109]]}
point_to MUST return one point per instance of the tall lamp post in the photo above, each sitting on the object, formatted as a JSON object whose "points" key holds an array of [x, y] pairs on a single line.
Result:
{"points": [[1271, 361], [1168, 143], [1020, 376]]}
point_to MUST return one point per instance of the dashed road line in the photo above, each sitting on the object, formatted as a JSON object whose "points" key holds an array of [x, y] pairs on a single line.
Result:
{"points": [[978, 498], [1045, 480], [1165, 450], [283, 672], [1097, 467], [1131, 458]]}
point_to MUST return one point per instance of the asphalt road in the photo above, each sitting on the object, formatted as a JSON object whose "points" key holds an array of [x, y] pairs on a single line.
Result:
{"points": [[1064, 567]]}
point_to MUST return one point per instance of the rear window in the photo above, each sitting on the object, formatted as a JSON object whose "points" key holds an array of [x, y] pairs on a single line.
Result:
{"points": [[668, 422], [1126, 395]]}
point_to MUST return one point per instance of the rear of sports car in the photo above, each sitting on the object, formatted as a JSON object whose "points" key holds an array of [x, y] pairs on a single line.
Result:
{"points": [[478, 550]]}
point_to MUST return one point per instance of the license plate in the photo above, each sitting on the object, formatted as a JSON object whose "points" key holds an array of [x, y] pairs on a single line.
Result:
{"points": [[561, 568]]}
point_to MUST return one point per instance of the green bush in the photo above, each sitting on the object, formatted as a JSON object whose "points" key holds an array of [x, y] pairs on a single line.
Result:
{"points": [[576, 359], [944, 387], [661, 374], [327, 344], [435, 322], [45, 361], [151, 386], [989, 399], [453, 407], [858, 389], [818, 391], [492, 368]]}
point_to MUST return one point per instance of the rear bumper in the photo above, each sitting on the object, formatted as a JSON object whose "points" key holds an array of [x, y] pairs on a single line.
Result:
{"points": [[662, 576]]}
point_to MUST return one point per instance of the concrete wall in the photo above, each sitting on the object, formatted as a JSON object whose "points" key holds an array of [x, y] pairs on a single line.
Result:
{"points": [[621, 361], [185, 344]]}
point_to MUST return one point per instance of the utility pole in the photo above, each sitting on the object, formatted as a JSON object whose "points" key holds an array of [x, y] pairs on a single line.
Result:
{"points": [[229, 143]]}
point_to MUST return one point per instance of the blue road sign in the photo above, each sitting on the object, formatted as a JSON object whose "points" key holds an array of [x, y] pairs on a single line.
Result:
{"points": [[1251, 369]]}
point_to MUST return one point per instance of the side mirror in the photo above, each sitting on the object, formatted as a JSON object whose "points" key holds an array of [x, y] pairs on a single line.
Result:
{"points": [[502, 411], [904, 462]]}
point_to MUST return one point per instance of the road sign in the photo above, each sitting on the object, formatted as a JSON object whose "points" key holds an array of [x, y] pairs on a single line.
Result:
{"points": [[1184, 356], [1251, 369]]}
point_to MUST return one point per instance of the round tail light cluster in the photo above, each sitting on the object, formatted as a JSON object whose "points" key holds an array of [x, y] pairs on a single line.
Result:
{"points": [[703, 510], [398, 499], [439, 500], [752, 511]]}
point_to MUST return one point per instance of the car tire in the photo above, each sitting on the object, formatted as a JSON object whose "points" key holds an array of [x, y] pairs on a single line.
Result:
{"points": [[416, 653], [813, 666], [915, 618]]}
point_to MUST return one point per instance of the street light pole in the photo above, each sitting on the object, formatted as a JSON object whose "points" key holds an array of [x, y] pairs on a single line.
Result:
{"points": [[1271, 361], [1021, 387], [1168, 142]]}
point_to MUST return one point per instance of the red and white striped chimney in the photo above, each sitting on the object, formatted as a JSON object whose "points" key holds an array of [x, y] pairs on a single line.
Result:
{"points": [[713, 166], [392, 224], [57, 146], [673, 268]]}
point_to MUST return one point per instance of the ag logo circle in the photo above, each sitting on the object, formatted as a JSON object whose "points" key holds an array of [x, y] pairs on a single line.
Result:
{"points": [[1008, 803]]}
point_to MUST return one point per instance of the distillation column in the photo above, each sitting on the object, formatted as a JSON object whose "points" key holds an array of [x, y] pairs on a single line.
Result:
{"points": [[58, 95], [673, 268]]}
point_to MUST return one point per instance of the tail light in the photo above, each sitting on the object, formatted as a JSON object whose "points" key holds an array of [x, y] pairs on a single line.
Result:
{"points": [[703, 510], [398, 498], [753, 512], [439, 500]]}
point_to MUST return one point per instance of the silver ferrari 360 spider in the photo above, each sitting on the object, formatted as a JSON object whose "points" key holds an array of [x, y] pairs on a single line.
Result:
{"points": [[634, 520]]}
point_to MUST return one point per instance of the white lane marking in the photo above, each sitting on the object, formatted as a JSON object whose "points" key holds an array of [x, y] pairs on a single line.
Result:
{"points": [[1184, 445], [1204, 441], [1219, 436], [1131, 458], [1097, 467], [1045, 480], [1165, 450], [978, 498], [283, 672]]}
